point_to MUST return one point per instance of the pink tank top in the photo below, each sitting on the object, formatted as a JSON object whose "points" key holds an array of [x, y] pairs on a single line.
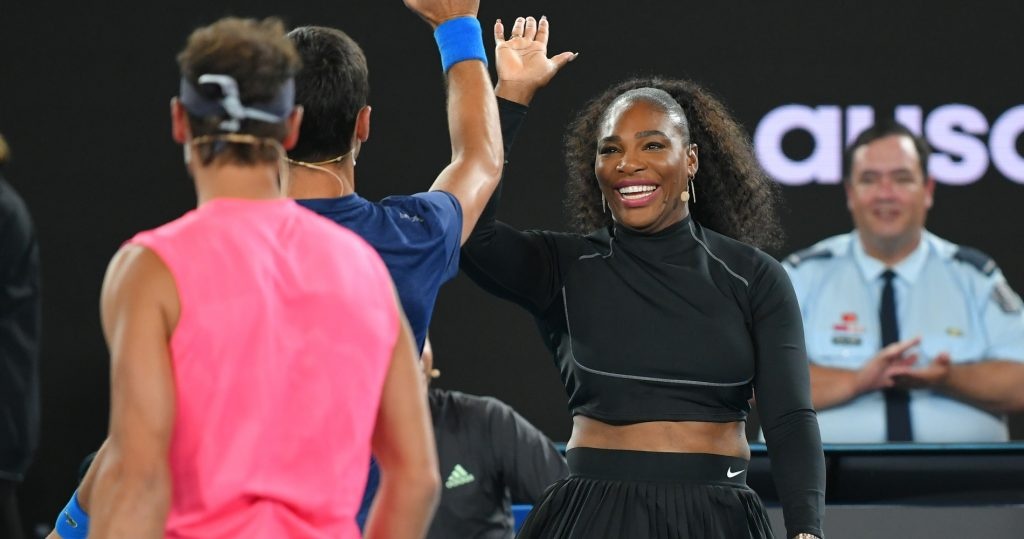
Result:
{"points": [[287, 327]]}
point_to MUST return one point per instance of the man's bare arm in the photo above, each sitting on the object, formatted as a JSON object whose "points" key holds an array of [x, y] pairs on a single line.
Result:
{"points": [[473, 126], [403, 443], [130, 492]]}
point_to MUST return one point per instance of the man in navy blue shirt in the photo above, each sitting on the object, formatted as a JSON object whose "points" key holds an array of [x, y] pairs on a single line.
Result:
{"points": [[418, 236]]}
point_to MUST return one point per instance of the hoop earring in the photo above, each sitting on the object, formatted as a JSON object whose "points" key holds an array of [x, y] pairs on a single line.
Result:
{"points": [[693, 190], [604, 204]]}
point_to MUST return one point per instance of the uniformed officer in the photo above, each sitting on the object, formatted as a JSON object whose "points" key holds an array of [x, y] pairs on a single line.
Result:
{"points": [[910, 337]]}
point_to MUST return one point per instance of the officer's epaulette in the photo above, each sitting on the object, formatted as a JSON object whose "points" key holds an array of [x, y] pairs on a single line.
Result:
{"points": [[809, 253], [979, 260]]}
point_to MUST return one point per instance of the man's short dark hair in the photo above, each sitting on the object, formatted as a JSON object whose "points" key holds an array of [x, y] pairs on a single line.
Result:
{"points": [[332, 86], [882, 129]]}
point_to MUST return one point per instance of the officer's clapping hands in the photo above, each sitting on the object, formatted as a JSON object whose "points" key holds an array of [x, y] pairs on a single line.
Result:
{"points": [[932, 375], [891, 361]]}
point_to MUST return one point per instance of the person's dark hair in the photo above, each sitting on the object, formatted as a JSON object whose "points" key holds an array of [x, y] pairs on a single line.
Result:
{"points": [[882, 129], [332, 86], [260, 59], [735, 196]]}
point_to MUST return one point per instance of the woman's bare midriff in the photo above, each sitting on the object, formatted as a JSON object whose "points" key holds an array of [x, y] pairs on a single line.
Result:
{"points": [[728, 439]]}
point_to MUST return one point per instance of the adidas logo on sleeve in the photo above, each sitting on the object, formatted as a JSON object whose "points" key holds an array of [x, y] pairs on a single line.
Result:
{"points": [[458, 477]]}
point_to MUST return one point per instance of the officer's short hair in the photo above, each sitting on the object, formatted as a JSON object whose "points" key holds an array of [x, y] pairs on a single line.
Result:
{"points": [[882, 129]]}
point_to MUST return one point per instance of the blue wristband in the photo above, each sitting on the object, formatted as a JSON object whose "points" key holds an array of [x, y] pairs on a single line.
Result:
{"points": [[460, 39], [73, 522]]}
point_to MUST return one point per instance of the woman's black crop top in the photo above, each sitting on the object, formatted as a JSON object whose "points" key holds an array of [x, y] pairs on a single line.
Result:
{"points": [[682, 325], [663, 327]]}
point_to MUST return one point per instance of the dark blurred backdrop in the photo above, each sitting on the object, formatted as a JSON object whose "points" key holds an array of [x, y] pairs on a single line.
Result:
{"points": [[84, 95]]}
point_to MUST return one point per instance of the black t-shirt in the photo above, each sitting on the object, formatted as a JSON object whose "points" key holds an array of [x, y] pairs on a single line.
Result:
{"points": [[489, 457], [19, 335]]}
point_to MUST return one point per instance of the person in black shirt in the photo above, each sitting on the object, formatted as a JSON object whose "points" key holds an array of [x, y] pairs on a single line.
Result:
{"points": [[489, 457], [663, 317], [19, 347]]}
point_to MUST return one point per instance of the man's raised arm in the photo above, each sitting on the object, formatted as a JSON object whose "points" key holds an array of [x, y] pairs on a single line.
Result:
{"points": [[473, 125]]}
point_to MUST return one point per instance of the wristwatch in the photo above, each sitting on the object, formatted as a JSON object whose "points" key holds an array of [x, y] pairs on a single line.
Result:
{"points": [[806, 536]]}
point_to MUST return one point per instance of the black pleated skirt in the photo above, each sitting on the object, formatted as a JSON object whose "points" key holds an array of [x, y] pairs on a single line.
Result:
{"points": [[617, 494]]}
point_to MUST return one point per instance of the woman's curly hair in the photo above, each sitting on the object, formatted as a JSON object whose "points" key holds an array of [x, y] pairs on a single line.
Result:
{"points": [[736, 197]]}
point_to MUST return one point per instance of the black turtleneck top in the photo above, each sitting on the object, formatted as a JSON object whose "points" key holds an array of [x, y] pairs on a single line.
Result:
{"points": [[682, 325]]}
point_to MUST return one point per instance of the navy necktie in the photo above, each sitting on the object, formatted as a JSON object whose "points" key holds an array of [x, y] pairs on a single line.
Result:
{"points": [[897, 401]]}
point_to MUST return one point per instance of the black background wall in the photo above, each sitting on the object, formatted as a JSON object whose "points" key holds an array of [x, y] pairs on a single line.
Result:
{"points": [[84, 95]]}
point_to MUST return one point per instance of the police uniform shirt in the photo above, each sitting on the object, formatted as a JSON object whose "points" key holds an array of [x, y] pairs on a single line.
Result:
{"points": [[954, 298]]}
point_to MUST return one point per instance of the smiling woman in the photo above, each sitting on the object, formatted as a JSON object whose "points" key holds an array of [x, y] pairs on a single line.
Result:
{"points": [[643, 173], [663, 323], [737, 198]]}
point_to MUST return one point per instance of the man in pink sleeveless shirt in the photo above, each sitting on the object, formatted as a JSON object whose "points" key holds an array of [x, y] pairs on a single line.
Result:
{"points": [[258, 352]]}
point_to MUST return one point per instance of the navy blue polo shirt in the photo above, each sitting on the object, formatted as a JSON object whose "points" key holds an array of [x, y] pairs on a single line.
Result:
{"points": [[417, 236]]}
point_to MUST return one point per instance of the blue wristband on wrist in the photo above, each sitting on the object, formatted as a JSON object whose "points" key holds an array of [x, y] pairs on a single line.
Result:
{"points": [[460, 39], [73, 522]]}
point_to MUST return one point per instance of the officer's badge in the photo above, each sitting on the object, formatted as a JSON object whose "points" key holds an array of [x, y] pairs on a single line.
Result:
{"points": [[848, 331], [1006, 298]]}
